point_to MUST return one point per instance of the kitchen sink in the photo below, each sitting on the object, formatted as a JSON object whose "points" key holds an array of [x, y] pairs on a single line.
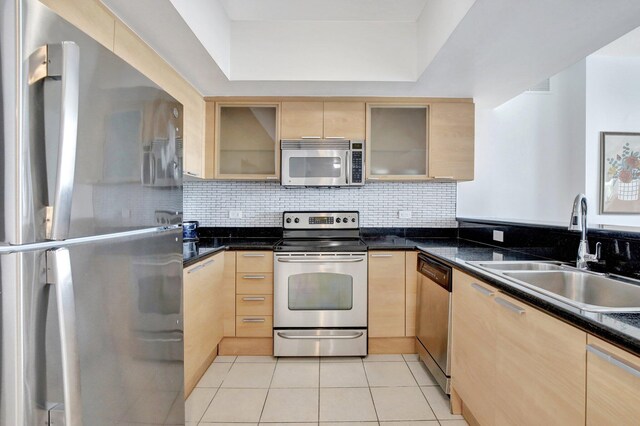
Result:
{"points": [[520, 265], [584, 290], [588, 291]]}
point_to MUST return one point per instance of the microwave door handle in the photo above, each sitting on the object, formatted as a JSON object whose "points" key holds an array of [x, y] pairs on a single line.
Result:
{"points": [[347, 162]]}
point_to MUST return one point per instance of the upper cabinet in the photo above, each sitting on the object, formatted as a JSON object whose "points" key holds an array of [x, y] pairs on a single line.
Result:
{"points": [[328, 120], [247, 141], [451, 140], [397, 141], [420, 141]]}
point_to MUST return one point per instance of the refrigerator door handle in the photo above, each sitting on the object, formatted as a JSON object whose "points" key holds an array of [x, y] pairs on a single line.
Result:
{"points": [[61, 61], [59, 275]]}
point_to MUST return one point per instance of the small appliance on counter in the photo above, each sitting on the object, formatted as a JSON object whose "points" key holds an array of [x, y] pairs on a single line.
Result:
{"points": [[190, 230]]}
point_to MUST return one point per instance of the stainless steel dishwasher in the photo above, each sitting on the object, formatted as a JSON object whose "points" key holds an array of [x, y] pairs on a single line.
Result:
{"points": [[433, 319]]}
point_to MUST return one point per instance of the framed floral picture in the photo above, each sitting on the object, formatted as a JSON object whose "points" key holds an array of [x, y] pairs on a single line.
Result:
{"points": [[620, 173]]}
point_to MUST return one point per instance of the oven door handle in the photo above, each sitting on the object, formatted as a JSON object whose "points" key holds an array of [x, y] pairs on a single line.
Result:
{"points": [[316, 337], [320, 260]]}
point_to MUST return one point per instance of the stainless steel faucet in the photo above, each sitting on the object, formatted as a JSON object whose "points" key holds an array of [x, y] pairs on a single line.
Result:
{"points": [[579, 223]]}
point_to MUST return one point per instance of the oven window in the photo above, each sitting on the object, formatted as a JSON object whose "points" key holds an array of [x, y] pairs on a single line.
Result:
{"points": [[320, 291], [301, 167]]}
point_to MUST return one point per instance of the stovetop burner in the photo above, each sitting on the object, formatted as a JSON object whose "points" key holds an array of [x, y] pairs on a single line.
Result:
{"points": [[336, 231]]}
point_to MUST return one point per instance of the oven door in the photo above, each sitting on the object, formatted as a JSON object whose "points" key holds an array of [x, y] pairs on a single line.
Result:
{"points": [[323, 167], [320, 290]]}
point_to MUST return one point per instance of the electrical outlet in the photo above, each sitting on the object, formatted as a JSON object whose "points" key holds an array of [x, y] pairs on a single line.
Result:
{"points": [[404, 214], [498, 257], [235, 214], [498, 236]]}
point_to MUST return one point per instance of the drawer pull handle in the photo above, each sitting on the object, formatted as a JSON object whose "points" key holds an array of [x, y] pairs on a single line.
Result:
{"points": [[253, 320], [514, 308], [612, 359], [191, 173], [204, 265], [482, 290], [310, 137], [253, 255], [381, 255], [334, 137], [253, 299], [254, 277]]}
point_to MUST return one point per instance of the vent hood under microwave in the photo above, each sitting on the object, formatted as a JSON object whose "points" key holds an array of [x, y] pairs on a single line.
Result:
{"points": [[322, 163]]}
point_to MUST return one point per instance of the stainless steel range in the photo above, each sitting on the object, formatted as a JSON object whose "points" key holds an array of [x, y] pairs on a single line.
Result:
{"points": [[320, 286]]}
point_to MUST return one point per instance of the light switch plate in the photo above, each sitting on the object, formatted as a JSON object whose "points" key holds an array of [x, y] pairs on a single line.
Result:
{"points": [[498, 236], [235, 214], [404, 214]]}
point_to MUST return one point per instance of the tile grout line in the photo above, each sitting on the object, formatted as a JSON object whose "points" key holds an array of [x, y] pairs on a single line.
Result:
{"points": [[217, 388], [375, 410], [422, 393], [264, 404]]}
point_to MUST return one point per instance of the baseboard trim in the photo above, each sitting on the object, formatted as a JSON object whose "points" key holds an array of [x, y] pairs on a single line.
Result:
{"points": [[392, 345], [246, 346]]}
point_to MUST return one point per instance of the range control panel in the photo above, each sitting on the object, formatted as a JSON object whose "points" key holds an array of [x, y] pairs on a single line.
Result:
{"points": [[321, 220]]}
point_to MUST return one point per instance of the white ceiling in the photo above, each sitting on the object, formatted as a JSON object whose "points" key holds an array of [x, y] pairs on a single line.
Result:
{"points": [[496, 50], [628, 46], [324, 10]]}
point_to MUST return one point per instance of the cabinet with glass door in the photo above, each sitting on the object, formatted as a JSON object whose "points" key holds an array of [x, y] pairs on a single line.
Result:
{"points": [[247, 137]]}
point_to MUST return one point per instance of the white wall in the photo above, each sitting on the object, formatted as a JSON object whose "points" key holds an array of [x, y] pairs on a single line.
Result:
{"points": [[321, 50], [438, 20], [208, 19], [530, 154], [613, 105]]}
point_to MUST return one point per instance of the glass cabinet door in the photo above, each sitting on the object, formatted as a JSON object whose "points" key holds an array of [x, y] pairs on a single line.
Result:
{"points": [[397, 142], [247, 138]]}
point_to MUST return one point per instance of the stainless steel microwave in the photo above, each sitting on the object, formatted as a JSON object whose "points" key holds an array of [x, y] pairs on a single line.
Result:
{"points": [[322, 162]]}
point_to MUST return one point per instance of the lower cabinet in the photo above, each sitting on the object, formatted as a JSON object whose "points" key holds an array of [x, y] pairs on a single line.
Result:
{"points": [[386, 294], [513, 364], [203, 317], [613, 385]]}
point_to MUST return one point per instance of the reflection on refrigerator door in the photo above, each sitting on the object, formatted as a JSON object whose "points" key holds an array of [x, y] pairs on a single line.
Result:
{"points": [[157, 307]]}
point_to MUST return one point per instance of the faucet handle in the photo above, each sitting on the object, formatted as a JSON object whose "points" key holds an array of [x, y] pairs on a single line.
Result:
{"points": [[598, 250]]}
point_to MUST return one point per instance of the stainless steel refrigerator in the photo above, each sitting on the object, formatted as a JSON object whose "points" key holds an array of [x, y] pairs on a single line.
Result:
{"points": [[90, 239]]}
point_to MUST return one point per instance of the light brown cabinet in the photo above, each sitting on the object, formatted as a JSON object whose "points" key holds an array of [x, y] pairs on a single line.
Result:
{"points": [[613, 385], [473, 346], [386, 294], [254, 294], [511, 363], [540, 367], [392, 293], [247, 140], [319, 119], [203, 316], [420, 141], [451, 140]]}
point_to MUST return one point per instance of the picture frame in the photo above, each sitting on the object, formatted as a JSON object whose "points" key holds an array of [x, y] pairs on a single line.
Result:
{"points": [[619, 173]]}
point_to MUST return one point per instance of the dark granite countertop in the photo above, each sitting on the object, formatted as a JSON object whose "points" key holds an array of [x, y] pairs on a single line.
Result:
{"points": [[206, 247], [621, 329]]}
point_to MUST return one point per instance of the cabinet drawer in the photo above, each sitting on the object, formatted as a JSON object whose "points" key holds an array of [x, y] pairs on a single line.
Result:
{"points": [[257, 283], [254, 261], [254, 326], [254, 304]]}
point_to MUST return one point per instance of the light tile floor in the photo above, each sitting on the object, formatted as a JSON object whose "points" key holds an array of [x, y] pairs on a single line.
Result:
{"points": [[350, 391]]}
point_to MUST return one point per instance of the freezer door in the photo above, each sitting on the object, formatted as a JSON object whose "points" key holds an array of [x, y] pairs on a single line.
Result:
{"points": [[124, 322], [120, 120]]}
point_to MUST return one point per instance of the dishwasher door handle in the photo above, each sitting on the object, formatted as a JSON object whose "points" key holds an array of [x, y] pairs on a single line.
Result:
{"points": [[320, 260]]}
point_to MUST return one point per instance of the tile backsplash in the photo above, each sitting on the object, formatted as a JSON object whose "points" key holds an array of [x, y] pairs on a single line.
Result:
{"points": [[432, 204]]}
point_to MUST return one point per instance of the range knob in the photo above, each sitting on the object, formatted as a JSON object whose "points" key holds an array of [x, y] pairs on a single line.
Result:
{"points": [[345, 220], [296, 220], [288, 220], [353, 219], [338, 220]]}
